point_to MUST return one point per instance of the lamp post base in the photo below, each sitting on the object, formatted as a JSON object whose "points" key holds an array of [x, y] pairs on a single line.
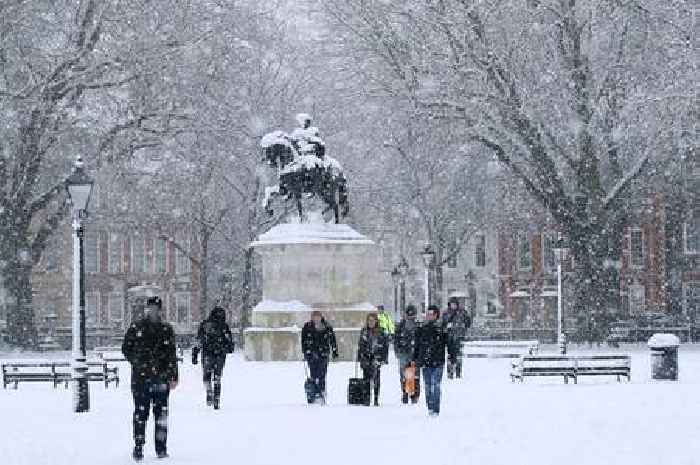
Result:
{"points": [[562, 344], [81, 394]]}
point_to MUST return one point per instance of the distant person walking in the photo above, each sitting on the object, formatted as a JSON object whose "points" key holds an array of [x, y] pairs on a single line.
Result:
{"points": [[215, 341], [404, 347], [149, 345], [431, 342], [318, 343], [457, 321], [386, 323], [372, 352]]}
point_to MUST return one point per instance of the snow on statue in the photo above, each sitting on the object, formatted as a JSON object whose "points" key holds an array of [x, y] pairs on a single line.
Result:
{"points": [[303, 173]]}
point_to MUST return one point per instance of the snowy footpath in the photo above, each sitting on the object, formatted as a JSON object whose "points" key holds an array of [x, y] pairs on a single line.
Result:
{"points": [[485, 420]]}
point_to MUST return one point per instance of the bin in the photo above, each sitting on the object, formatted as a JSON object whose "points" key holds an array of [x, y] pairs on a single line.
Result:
{"points": [[664, 356]]}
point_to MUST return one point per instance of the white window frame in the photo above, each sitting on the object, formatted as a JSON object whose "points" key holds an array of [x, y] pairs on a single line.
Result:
{"points": [[522, 237], [96, 320], [183, 297], [479, 237], [685, 239], [632, 299], [548, 237], [110, 316], [631, 245], [120, 257], [183, 264], [96, 235], [135, 241], [156, 243], [686, 287]]}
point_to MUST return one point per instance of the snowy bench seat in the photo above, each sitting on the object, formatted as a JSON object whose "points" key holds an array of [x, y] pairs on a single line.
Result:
{"points": [[571, 366], [499, 349], [114, 354], [56, 372]]}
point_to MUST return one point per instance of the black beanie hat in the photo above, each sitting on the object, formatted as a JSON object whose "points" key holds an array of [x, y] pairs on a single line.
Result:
{"points": [[154, 302]]}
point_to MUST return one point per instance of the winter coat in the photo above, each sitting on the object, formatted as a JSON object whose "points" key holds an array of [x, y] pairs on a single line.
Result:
{"points": [[372, 347], [405, 338], [318, 343], [431, 342], [386, 323], [457, 322], [150, 348], [214, 336]]}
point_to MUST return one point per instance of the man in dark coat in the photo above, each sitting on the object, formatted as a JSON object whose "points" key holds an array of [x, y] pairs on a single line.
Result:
{"points": [[149, 345], [457, 322], [317, 343], [404, 346], [429, 354], [215, 341]]}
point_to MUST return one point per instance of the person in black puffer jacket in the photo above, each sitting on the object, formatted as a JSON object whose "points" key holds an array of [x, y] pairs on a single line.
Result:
{"points": [[317, 343], [372, 352], [215, 341], [149, 346], [404, 346], [431, 342]]}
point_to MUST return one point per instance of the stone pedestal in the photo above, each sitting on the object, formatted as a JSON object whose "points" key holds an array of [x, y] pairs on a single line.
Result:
{"points": [[306, 267]]}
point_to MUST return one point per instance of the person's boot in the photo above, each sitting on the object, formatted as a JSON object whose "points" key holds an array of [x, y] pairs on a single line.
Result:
{"points": [[376, 397], [137, 454], [162, 454], [210, 393], [404, 398], [217, 396]]}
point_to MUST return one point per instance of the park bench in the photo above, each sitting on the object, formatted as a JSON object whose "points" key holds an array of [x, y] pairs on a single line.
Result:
{"points": [[571, 366], [57, 372], [114, 354], [499, 349]]}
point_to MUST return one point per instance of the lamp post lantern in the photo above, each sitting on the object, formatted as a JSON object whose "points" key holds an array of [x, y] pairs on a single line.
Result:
{"points": [[560, 251], [79, 188], [428, 256]]}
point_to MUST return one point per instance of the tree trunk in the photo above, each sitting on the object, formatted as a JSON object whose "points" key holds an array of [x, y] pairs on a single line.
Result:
{"points": [[204, 276], [247, 287], [20, 313]]}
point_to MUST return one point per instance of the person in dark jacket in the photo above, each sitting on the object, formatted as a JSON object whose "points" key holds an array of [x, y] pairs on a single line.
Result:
{"points": [[431, 342], [404, 346], [318, 343], [457, 322], [372, 352], [215, 341], [149, 345]]}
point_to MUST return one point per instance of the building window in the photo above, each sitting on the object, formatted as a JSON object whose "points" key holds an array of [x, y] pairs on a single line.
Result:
{"points": [[115, 253], [92, 308], [182, 304], [182, 261], [691, 234], [636, 299], [524, 252], [116, 309], [91, 251], [637, 248], [691, 300], [480, 251], [52, 253], [138, 254], [549, 263], [161, 249]]}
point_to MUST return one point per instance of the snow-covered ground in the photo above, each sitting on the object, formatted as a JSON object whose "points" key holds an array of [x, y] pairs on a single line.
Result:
{"points": [[264, 420]]}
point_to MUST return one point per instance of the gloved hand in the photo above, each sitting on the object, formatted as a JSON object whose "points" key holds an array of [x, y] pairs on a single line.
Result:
{"points": [[335, 355]]}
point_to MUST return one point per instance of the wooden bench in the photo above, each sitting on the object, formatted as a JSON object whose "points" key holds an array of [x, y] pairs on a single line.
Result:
{"points": [[571, 366], [499, 349], [56, 372], [114, 354]]}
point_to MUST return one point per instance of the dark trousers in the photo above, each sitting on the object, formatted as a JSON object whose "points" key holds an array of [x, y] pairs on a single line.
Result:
{"points": [[318, 367], [433, 380], [212, 369], [152, 391], [373, 374]]}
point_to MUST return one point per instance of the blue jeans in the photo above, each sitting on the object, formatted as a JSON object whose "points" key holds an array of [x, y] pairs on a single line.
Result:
{"points": [[151, 392], [433, 378], [318, 367]]}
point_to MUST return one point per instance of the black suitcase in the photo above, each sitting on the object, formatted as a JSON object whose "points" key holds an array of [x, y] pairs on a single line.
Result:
{"points": [[311, 390], [358, 390]]}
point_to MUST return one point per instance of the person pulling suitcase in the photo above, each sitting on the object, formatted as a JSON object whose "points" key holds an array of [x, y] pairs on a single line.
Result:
{"points": [[318, 343]]}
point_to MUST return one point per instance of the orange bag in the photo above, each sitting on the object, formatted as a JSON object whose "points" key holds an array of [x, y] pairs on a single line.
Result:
{"points": [[409, 374]]}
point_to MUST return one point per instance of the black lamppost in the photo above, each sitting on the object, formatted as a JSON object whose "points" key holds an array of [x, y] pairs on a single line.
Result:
{"points": [[428, 255], [471, 293], [395, 277], [79, 187], [403, 268]]}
